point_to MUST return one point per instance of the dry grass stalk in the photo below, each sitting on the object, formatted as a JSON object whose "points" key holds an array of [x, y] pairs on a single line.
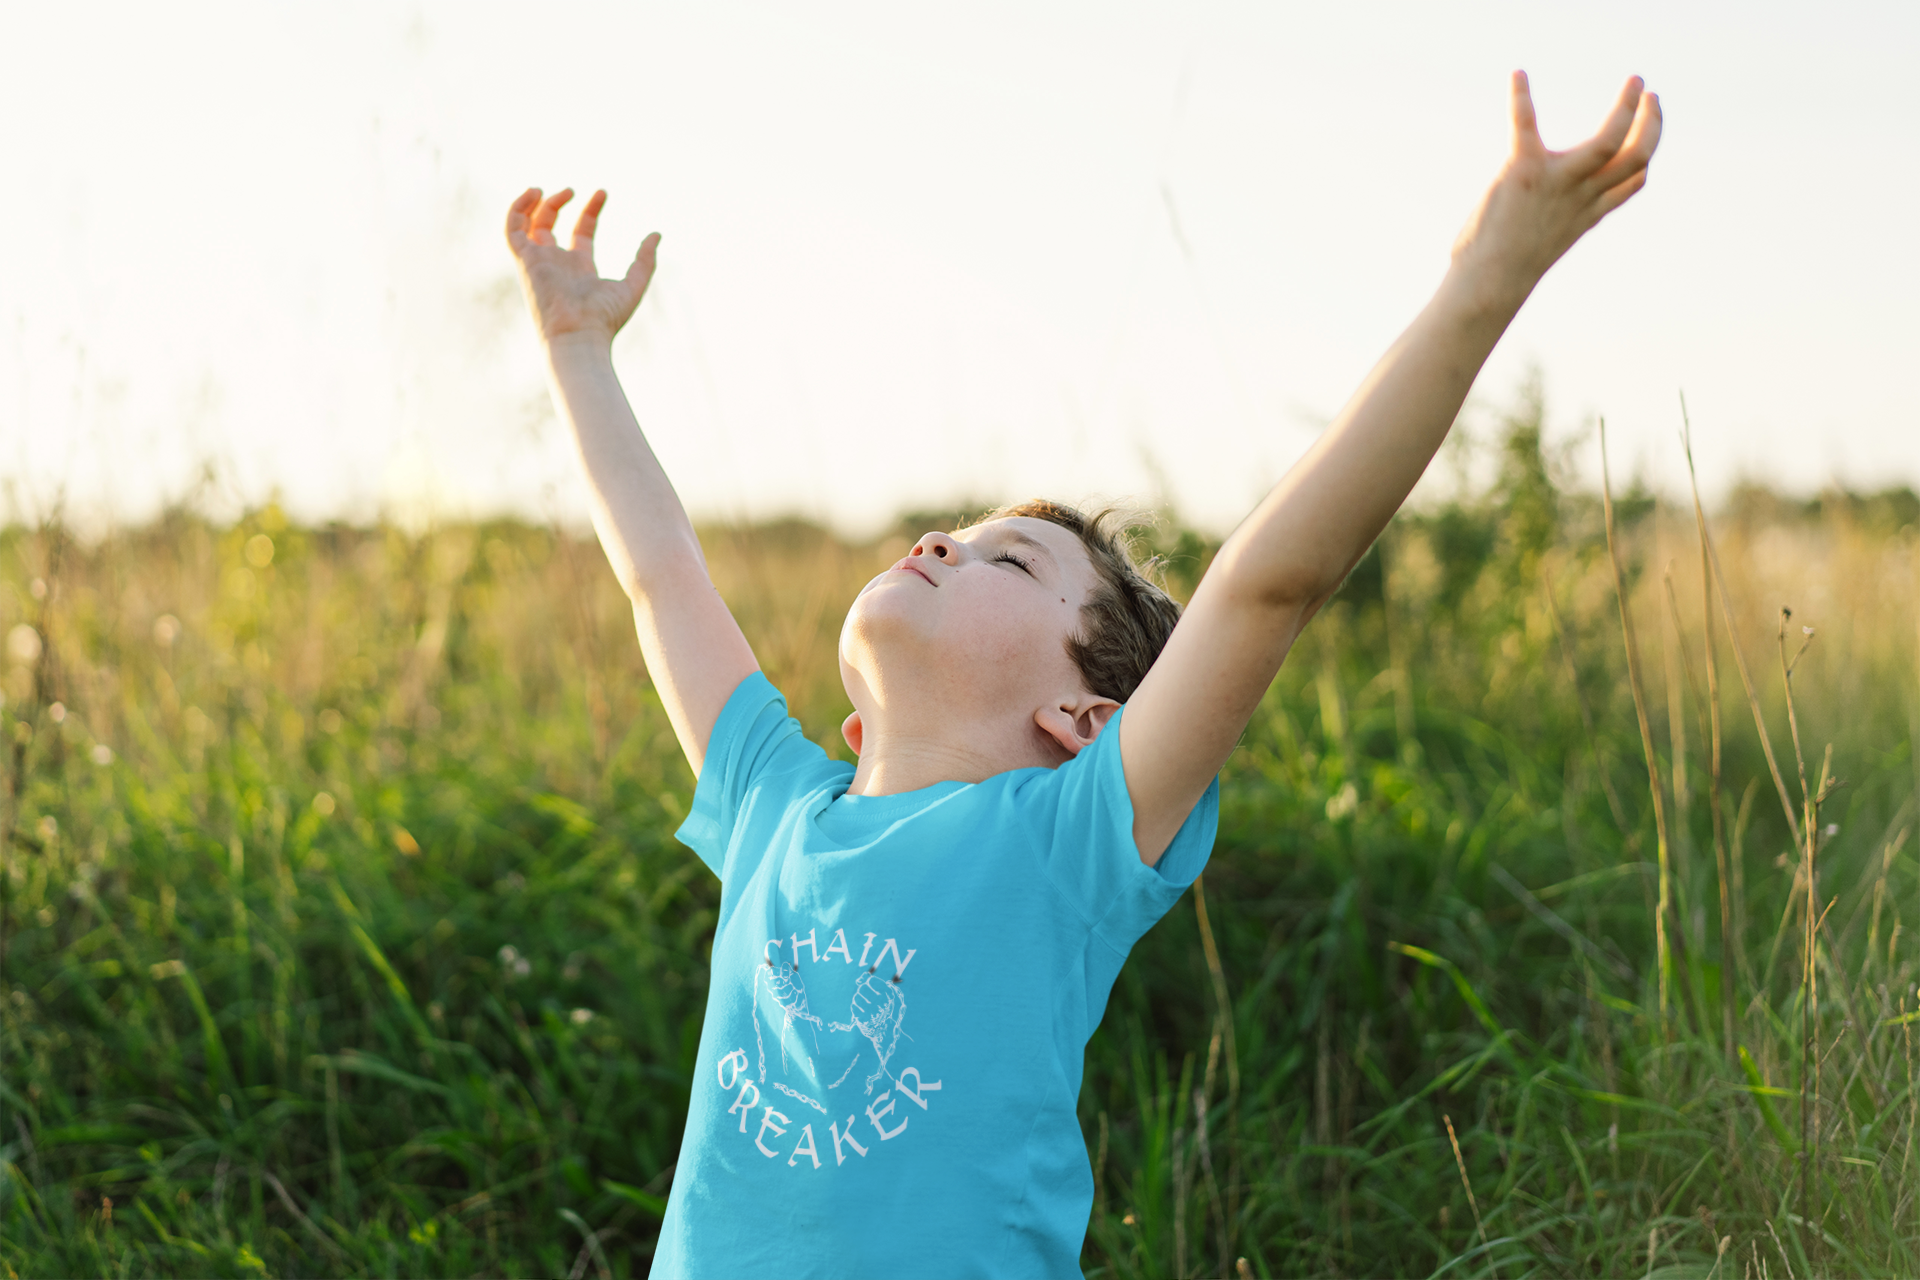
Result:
{"points": [[1614, 806], [1223, 1040], [1680, 685], [1913, 1101], [1223, 1006], [1662, 942], [1889, 849], [1459, 1162], [1736, 856], [1784, 1260], [1810, 801], [1710, 714], [1712, 557], [1721, 860], [1213, 1182]]}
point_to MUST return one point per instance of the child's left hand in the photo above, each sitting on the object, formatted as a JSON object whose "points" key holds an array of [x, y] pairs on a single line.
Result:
{"points": [[1545, 200]]}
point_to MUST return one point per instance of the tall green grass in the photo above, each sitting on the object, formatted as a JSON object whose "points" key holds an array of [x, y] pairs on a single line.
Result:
{"points": [[346, 934]]}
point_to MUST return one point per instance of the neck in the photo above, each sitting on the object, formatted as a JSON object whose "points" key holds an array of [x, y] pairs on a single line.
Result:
{"points": [[895, 758], [889, 768]]}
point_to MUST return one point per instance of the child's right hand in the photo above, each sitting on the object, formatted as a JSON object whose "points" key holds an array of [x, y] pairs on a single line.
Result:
{"points": [[564, 289]]}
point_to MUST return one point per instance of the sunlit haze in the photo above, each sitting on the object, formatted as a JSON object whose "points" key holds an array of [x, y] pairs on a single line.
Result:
{"points": [[916, 254]]}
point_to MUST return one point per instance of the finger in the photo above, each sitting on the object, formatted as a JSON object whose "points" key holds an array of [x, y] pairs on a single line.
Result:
{"points": [[640, 273], [1637, 151], [1595, 152], [518, 215], [547, 212], [1613, 197], [1647, 124], [1526, 127], [589, 219]]}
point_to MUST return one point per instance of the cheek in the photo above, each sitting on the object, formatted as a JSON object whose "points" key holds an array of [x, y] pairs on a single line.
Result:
{"points": [[987, 632], [1011, 628]]}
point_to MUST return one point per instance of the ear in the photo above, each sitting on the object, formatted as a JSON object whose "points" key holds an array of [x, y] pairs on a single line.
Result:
{"points": [[1074, 725], [850, 730]]}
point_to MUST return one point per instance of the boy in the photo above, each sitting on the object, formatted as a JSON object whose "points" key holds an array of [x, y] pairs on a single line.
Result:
{"points": [[912, 953]]}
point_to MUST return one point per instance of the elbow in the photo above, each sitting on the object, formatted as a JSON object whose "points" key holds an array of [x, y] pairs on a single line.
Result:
{"points": [[647, 566], [1296, 588], [1305, 594], [665, 577], [635, 588], [1294, 606]]}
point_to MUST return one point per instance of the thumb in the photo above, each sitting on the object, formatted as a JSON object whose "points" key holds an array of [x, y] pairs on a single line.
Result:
{"points": [[1526, 126], [640, 273]]}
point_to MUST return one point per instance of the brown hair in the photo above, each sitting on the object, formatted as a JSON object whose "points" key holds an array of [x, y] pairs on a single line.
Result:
{"points": [[1127, 617]]}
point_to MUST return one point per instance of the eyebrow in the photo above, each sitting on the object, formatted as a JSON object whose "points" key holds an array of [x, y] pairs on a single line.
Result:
{"points": [[1027, 539]]}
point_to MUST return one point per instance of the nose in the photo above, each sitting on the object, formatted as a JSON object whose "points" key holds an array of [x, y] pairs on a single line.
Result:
{"points": [[939, 546]]}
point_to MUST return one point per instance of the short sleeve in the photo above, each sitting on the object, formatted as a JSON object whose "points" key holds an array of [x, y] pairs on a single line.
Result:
{"points": [[1091, 857], [756, 757]]}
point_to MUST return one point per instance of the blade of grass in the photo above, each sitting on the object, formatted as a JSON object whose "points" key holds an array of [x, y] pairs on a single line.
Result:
{"points": [[1760, 1091], [1452, 970]]}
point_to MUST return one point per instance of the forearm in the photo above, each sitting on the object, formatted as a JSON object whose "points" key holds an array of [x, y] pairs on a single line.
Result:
{"points": [[1313, 527], [642, 525], [693, 648]]}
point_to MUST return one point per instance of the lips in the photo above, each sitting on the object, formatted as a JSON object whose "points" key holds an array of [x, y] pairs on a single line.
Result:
{"points": [[907, 566]]}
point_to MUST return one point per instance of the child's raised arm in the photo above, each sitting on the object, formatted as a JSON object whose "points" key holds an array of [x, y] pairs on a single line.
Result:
{"points": [[1292, 553], [693, 648]]}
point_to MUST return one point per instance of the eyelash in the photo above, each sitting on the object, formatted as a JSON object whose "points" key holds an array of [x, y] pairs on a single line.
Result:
{"points": [[1012, 559]]}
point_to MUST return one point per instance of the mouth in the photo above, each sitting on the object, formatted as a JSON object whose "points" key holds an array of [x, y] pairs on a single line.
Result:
{"points": [[904, 567]]}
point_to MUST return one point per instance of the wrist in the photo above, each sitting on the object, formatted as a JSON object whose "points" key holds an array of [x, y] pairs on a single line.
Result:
{"points": [[578, 358], [1483, 289], [589, 341]]}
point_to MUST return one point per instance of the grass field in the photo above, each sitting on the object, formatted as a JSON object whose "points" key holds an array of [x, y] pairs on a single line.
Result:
{"points": [[345, 932]]}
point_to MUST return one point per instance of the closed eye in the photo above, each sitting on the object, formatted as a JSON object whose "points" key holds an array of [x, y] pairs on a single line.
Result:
{"points": [[1016, 561]]}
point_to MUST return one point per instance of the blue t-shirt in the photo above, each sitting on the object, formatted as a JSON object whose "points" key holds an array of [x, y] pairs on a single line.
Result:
{"points": [[903, 988]]}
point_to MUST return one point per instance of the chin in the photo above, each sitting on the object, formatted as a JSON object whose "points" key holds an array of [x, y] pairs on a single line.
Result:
{"points": [[889, 612], [880, 635]]}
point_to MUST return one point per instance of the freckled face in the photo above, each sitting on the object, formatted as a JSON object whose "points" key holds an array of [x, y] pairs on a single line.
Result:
{"points": [[983, 614]]}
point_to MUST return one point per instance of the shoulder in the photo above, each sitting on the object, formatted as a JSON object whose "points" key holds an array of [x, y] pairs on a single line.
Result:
{"points": [[1083, 814], [755, 736], [758, 763]]}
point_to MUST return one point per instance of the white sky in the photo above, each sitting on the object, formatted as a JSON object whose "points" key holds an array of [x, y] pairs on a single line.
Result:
{"points": [[920, 252]]}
